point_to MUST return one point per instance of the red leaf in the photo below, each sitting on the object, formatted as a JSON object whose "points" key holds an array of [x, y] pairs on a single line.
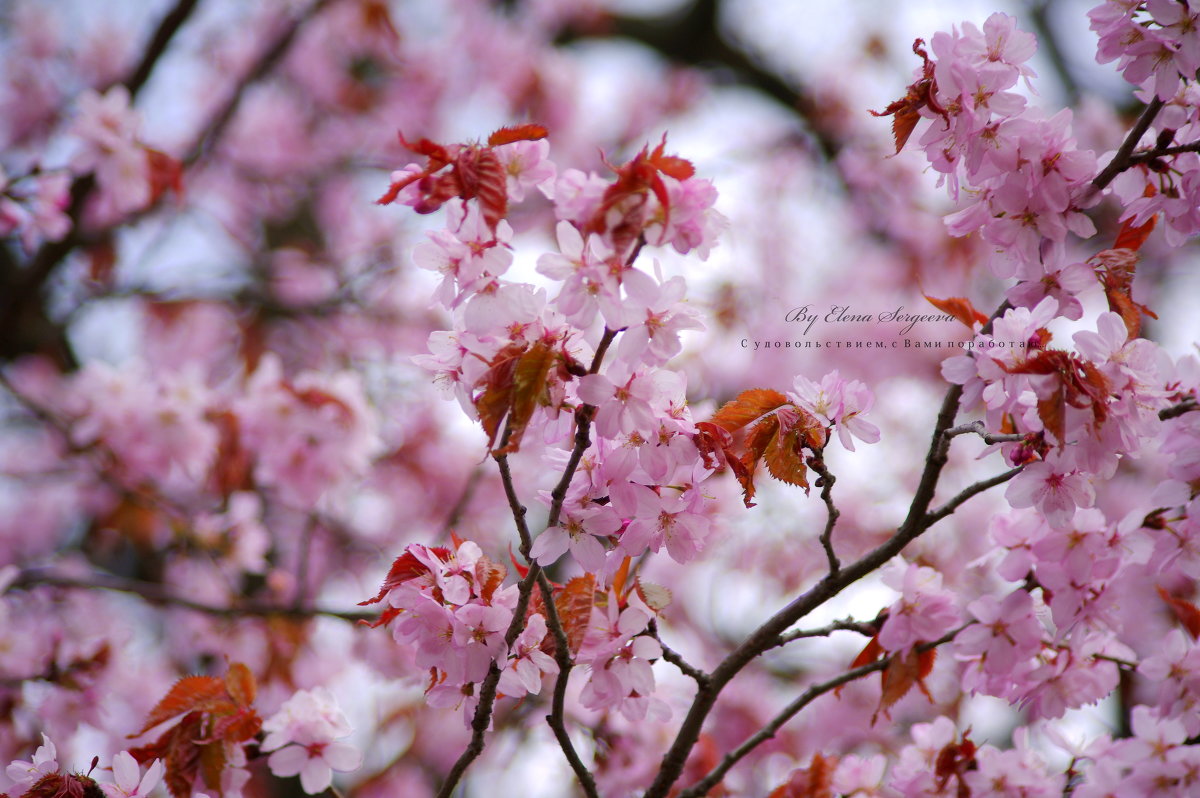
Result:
{"points": [[239, 683], [530, 389], [404, 568], [178, 750], [953, 761], [1117, 268], [489, 575], [165, 173], [574, 605], [494, 402], [870, 653], [189, 694], [960, 308], [507, 135], [480, 175], [749, 406], [394, 189], [814, 781], [1187, 612], [1131, 237], [900, 675]]}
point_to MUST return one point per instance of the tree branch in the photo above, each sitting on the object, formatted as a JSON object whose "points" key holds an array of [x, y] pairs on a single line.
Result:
{"points": [[1175, 411], [769, 632], [979, 429], [673, 657], [158, 594], [804, 699], [1121, 161]]}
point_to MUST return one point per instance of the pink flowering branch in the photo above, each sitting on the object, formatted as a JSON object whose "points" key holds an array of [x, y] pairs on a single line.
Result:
{"points": [[917, 521], [487, 695], [714, 776]]}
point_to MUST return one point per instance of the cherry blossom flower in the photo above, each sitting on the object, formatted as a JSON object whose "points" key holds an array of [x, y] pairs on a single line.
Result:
{"points": [[45, 762], [128, 781], [302, 737]]}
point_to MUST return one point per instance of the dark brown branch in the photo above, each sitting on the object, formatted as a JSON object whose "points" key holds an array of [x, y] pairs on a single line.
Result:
{"points": [[1162, 152], [160, 595], [1175, 411], [804, 699], [1121, 161], [171, 23]]}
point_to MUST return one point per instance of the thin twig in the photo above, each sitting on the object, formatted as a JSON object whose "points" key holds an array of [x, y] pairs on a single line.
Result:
{"points": [[979, 429], [866, 628], [673, 657], [831, 512], [715, 775], [158, 594], [1162, 152]]}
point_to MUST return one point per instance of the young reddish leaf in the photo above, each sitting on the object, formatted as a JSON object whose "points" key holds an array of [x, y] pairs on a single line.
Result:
{"points": [[953, 762], [507, 135], [489, 575], [574, 605], [960, 308], [1187, 612], [715, 445], [530, 388], [165, 173], [494, 402], [900, 675], [657, 597], [480, 175], [785, 458], [1132, 237], [239, 683], [621, 575], [749, 406], [1052, 411], [386, 616], [189, 694], [522, 570], [814, 781], [238, 727], [404, 568], [922, 93], [1116, 270], [212, 761], [177, 748], [870, 653]]}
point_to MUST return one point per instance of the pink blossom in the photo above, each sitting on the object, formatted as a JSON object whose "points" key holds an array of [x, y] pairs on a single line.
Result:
{"points": [[45, 762], [128, 781], [302, 734], [924, 612], [1053, 491], [527, 663]]}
